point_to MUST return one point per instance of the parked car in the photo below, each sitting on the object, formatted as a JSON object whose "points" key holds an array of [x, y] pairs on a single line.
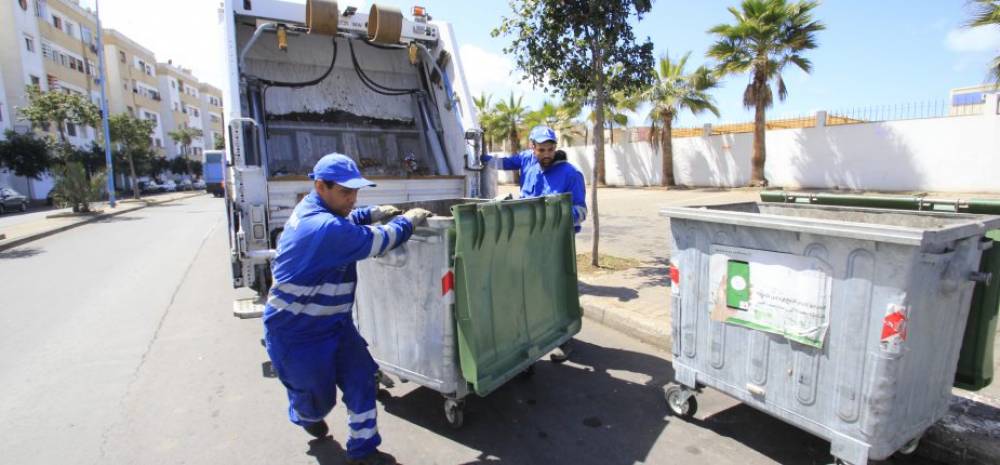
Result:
{"points": [[11, 200], [199, 185], [150, 187], [185, 185], [169, 186]]}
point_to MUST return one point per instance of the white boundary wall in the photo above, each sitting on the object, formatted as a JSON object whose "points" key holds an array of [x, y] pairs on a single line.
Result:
{"points": [[950, 154]]}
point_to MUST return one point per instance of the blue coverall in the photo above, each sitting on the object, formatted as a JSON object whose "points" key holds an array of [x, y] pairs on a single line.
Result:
{"points": [[558, 178], [309, 333]]}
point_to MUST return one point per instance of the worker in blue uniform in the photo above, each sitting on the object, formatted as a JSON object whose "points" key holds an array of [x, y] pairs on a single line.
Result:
{"points": [[310, 338], [543, 173]]}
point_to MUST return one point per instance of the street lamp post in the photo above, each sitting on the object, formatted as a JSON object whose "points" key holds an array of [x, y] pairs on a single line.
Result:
{"points": [[104, 106]]}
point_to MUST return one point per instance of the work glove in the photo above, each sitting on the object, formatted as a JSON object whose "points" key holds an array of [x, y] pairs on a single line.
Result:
{"points": [[417, 216], [382, 212]]}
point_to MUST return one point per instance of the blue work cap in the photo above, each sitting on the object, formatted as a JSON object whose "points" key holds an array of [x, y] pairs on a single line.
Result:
{"points": [[541, 134], [340, 169]]}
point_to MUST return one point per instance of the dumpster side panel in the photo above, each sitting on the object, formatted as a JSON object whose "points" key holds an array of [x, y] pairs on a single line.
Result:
{"points": [[884, 371], [404, 315], [516, 294]]}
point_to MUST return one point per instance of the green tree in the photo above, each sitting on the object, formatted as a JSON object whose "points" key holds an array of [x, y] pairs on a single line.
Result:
{"points": [[179, 165], [196, 167], [581, 49], [133, 138], [218, 143], [674, 91], [58, 108], [92, 158], [184, 136], [767, 36], [508, 120], [74, 189], [25, 154], [987, 13], [158, 165]]}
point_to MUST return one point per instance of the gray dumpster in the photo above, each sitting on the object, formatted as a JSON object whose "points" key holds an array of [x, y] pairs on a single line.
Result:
{"points": [[845, 322]]}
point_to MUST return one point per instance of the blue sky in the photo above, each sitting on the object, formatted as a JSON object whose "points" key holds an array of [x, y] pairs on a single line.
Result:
{"points": [[874, 52]]}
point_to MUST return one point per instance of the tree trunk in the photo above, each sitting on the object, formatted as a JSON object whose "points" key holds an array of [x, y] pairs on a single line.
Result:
{"points": [[667, 145], [131, 172], [759, 128], [598, 151]]}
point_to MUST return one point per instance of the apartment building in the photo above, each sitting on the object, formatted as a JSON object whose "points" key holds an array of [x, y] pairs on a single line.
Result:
{"points": [[211, 111], [53, 44], [135, 86], [181, 107]]}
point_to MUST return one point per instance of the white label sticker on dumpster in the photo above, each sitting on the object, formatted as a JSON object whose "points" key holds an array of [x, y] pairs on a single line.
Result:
{"points": [[768, 291]]}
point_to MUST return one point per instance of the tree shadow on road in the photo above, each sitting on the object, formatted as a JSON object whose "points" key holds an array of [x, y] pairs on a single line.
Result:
{"points": [[20, 253], [623, 294], [119, 219], [604, 407]]}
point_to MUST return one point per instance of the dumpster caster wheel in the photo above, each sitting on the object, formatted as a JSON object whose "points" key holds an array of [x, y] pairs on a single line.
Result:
{"points": [[528, 372], [681, 401], [453, 413], [910, 447], [384, 380]]}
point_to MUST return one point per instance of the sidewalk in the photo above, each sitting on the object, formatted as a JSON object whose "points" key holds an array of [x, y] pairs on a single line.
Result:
{"points": [[21, 233], [636, 301]]}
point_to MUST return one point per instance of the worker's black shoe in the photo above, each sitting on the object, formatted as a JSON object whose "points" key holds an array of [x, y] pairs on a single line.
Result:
{"points": [[318, 430], [562, 353], [374, 458]]}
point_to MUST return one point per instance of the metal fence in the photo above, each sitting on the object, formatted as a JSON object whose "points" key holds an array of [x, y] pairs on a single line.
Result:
{"points": [[857, 115]]}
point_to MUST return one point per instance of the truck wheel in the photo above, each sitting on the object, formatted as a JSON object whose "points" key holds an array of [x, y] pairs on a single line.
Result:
{"points": [[24, 206], [910, 447]]}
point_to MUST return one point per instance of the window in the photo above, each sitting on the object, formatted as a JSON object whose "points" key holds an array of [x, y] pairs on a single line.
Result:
{"points": [[71, 129], [159, 143], [29, 43], [39, 8], [194, 111], [69, 27], [1, 112], [36, 81], [173, 84], [87, 35], [57, 22], [130, 110], [121, 56], [47, 50]]}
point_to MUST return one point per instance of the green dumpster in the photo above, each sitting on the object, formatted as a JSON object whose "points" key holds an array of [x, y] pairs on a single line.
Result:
{"points": [[975, 364]]}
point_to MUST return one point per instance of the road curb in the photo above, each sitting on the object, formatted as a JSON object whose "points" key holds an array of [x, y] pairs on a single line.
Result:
{"points": [[645, 331], [6, 244]]}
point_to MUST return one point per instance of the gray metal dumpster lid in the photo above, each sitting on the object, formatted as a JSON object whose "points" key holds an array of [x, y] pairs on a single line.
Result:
{"points": [[893, 226]]}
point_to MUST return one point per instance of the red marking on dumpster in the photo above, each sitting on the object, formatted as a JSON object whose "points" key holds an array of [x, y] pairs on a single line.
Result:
{"points": [[894, 325], [675, 275], [447, 282]]}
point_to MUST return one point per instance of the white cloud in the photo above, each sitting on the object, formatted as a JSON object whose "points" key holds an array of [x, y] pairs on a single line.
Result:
{"points": [[492, 73], [979, 39]]}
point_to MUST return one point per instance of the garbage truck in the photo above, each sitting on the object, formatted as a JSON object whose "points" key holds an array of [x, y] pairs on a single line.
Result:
{"points": [[304, 80]]}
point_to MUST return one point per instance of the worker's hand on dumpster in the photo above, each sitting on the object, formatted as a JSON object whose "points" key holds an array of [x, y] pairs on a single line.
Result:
{"points": [[382, 212], [417, 216]]}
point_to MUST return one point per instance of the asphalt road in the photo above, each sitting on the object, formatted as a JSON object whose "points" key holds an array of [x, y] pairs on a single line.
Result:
{"points": [[117, 346]]}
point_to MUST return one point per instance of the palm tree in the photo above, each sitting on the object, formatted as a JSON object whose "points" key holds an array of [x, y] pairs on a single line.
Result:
{"points": [[987, 13], [184, 136], [616, 111], [560, 117], [509, 120], [485, 113], [767, 36], [673, 92]]}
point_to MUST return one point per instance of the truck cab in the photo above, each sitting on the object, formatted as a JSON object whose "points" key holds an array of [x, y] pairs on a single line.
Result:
{"points": [[305, 80]]}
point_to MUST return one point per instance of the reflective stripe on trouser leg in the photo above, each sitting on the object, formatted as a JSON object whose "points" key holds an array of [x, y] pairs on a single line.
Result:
{"points": [[356, 379]]}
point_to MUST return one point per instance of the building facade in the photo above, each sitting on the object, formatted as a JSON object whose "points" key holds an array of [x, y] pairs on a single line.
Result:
{"points": [[52, 44]]}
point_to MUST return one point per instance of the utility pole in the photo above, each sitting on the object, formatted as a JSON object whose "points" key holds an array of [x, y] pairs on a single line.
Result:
{"points": [[104, 106]]}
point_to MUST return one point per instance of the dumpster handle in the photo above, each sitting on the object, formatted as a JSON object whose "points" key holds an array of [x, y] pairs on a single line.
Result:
{"points": [[981, 277]]}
